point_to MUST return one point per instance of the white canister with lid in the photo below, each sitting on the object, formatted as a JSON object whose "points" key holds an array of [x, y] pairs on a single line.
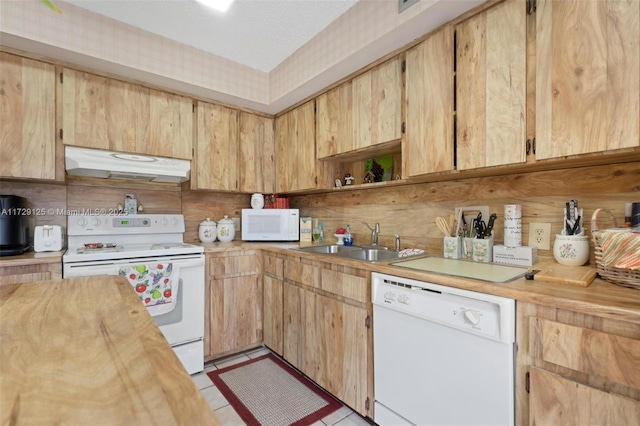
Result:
{"points": [[207, 231], [226, 229], [257, 201]]}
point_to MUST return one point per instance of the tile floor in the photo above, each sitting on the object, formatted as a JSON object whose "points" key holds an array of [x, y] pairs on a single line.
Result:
{"points": [[228, 416]]}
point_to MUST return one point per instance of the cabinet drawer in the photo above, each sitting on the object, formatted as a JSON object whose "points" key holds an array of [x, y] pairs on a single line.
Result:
{"points": [[273, 266], [302, 273], [572, 403], [346, 285], [233, 264], [614, 358]]}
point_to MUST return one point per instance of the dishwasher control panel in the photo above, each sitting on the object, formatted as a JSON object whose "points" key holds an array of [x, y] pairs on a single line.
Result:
{"points": [[474, 312]]}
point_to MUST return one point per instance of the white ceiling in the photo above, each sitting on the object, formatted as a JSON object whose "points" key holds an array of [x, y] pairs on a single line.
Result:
{"points": [[257, 33]]}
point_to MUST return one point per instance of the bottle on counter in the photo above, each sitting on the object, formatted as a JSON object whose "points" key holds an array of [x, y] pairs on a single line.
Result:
{"points": [[348, 239], [321, 232]]}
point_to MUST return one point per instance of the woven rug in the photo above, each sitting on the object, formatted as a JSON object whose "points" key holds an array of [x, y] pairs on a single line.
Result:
{"points": [[265, 391]]}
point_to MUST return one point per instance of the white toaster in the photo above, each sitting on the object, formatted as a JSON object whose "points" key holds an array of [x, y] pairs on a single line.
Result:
{"points": [[48, 238]]}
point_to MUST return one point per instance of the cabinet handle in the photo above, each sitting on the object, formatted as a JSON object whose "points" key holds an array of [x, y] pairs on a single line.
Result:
{"points": [[531, 146]]}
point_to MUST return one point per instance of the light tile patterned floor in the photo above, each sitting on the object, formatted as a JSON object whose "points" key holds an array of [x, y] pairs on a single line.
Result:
{"points": [[228, 416]]}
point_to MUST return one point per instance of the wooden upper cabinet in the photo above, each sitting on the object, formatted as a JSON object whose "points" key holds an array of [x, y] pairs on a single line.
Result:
{"points": [[217, 148], [100, 112], [256, 160], [428, 139], [296, 149], [335, 121], [27, 114], [587, 76], [170, 125], [491, 87], [377, 105], [104, 113]]}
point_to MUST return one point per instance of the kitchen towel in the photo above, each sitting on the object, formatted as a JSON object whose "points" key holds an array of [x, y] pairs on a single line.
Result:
{"points": [[621, 250], [155, 284]]}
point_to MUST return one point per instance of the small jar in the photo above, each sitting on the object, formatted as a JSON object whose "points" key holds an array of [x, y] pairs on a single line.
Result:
{"points": [[207, 231], [257, 201], [226, 229]]}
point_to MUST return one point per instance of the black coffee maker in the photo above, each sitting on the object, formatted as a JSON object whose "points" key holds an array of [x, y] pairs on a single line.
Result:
{"points": [[14, 225]]}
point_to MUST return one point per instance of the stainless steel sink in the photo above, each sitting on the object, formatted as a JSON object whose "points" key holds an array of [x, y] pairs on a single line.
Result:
{"points": [[372, 255], [329, 249]]}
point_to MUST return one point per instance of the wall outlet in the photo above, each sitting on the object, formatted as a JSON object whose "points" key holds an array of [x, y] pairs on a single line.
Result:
{"points": [[540, 235]]}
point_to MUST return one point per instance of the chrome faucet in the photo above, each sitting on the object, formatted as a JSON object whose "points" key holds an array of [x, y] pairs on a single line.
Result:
{"points": [[374, 233]]}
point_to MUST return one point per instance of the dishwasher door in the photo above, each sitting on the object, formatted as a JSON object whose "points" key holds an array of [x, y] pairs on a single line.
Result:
{"points": [[441, 370]]}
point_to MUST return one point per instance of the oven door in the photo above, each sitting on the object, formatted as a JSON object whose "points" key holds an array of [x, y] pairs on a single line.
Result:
{"points": [[183, 324]]}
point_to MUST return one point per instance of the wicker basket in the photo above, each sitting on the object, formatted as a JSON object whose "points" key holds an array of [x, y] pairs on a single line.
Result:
{"points": [[619, 276]]}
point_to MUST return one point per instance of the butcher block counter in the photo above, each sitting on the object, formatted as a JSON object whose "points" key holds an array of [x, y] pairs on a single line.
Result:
{"points": [[86, 351]]}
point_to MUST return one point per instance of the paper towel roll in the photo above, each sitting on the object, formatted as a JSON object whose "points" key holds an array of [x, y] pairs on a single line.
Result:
{"points": [[512, 225]]}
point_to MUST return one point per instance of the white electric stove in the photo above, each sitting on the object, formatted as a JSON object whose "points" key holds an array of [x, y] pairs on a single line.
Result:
{"points": [[105, 244]]}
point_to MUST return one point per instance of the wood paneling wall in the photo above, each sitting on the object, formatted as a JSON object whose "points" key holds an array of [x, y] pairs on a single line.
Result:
{"points": [[410, 210], [48, 198], [199, 205]]}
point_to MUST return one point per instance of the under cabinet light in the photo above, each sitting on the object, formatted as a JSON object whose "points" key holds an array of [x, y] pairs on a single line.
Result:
{"points": [[220, 5]]}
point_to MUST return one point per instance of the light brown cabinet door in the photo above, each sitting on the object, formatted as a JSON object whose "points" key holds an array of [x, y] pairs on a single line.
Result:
{"points": [[377, 105], [428, 139], [491, 87], [273, 293], [296, 149], [587, 76], [555, 400], [27, 115], [256, 157], [217, 148], [170, 126], [100, 112], [294, 313], [234, 303], [335, 121]]}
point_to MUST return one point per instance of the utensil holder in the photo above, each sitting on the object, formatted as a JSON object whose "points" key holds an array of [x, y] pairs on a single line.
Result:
{"points": [[452, 247], [467, 248], [572, 250], [483, 249]]}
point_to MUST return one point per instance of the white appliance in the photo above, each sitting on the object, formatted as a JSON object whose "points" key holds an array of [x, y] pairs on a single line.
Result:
{"points": [[442, 356], [48, 238], [120, 165], [103, 244], [270, 225]]}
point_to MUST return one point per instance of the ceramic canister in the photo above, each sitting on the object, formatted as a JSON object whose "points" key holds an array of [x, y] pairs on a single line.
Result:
{"points": [[226, 229], [257, 201], [207, 231]]}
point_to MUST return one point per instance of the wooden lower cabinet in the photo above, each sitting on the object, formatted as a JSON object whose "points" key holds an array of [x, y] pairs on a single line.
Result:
{"points": [[326, 328], [233, 303], [29, 273], [581, 369], [273, 289]]}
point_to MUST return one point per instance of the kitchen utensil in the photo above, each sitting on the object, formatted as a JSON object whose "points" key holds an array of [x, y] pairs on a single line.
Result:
{"points": [[452, 221], [492, 220], [443, 226]]}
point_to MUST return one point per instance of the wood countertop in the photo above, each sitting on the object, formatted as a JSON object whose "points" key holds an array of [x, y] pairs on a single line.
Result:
{"points": [[86, 351], [32, 258], [601, 298]]}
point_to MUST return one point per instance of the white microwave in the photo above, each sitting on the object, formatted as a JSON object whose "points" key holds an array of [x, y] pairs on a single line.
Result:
{"points": [[270, 225]]}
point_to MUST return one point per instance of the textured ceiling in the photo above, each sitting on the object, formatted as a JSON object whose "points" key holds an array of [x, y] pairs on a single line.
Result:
{"points": [[257, 33]]}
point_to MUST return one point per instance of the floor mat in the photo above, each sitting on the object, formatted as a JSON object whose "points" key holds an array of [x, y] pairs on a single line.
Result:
{"points": [[265, 391]]}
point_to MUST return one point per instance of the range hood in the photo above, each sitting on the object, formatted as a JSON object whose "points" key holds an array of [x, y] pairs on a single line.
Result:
{"points": [[120, 165]]}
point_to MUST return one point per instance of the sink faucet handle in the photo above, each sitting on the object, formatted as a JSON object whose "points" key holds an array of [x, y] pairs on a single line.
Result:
{"points": [[397, 246], [367, 225]]}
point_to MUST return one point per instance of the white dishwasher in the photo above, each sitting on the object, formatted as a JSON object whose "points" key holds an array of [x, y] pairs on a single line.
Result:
{"points": [[442, 356]]}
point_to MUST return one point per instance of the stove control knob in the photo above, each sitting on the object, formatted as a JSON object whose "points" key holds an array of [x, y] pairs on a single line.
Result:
{"points": [[82, 221], [164, 221], [95, 222], [389, 296], [174, 221], [471, 317], [403, 298]]}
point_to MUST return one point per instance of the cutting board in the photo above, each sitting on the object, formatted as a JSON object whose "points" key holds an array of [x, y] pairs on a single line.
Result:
{"points": [[465, 268], [561, 274]]}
